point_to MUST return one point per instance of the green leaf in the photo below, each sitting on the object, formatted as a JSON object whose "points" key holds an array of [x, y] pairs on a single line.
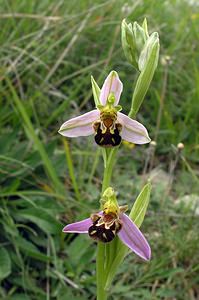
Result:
{"points": [[42, 219], [18, 296], [71, 168], [139, 208], [96, 91], [5, 263], [31, 133], [30, 249], [122, 250]]}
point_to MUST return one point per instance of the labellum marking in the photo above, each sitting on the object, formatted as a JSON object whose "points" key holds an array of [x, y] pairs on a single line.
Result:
{"points": [[92, 232], [104, 227], [107, 130]]}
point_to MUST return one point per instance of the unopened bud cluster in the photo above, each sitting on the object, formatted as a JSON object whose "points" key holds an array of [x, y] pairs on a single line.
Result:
{"points": [[137, 44], [142, 52]]}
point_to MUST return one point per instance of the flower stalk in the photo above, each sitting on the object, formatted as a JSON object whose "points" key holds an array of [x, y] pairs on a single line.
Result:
{"points": [[101, 263], [111, 227]]}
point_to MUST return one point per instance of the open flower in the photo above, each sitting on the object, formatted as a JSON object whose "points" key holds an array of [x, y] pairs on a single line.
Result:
{"points": [[112, 221], [106, 122]]}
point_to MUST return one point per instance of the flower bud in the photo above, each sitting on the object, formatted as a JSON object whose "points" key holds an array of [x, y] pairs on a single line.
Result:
{"points": [[140, 37], [147, 51], [134, 38], [147, 64], [128, 43]]}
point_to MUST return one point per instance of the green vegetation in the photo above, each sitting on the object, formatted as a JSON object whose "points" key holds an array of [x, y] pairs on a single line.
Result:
{"points": [[49, 50]]}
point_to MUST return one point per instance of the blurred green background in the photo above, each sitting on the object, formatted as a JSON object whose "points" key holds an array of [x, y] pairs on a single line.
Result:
{"points": [[49, 49]]}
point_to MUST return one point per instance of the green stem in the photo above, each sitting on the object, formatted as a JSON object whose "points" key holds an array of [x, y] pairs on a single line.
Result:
{"points": [[102, 263], [132, 113], [101, 293], [108, 169], [101, 251]]}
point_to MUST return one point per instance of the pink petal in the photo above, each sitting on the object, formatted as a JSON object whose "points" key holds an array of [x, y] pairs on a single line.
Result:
{"points": [[132, 237], [132, 130], [112, 84], [78, 227], [80, 126]]}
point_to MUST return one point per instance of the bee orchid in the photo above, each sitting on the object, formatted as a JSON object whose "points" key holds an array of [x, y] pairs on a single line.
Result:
{"points": [[112, 221], [107, 123]]}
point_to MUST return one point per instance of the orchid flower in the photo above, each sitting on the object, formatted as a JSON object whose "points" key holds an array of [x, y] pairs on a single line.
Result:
{"points": [[106, 122], [112, 221]]}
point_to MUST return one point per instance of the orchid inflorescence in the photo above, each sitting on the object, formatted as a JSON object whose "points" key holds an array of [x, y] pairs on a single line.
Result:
{"points": [[111, 227], [109, 126]]}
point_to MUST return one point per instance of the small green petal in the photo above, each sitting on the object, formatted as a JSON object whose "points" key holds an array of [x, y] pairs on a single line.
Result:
{"points": [[96, 91], [118, 107]]}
